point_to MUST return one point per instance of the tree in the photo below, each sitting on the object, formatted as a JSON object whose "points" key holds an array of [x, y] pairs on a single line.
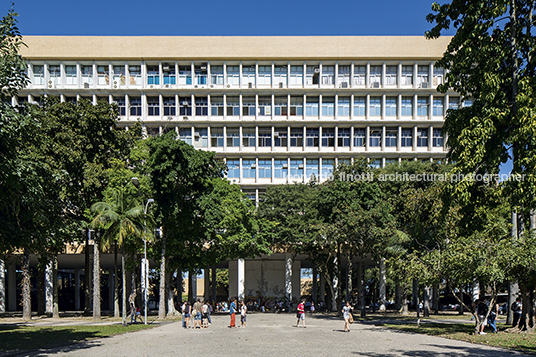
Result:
{"points": [[490, 61]]}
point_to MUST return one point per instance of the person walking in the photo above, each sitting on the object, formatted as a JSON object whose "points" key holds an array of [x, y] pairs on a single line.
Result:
{"points": [[346, 313], [301, 313], [243, 312], [186, 312], [312, 307], [197, 312], [494, 312], [232, 310], [482, 311], [516, 308]]}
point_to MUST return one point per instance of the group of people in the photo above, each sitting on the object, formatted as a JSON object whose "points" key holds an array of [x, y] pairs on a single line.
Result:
{"points": [[482, 307], [243, 313], [200, 312]]}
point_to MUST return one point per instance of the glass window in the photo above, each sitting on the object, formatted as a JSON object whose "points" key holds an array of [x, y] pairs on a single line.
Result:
{"points": [[119, 75], [437, 140], [265, 75], [296, 169], [328, 137], [265, 168], [296, 75], [135, 106], [296, 137], [422, 137], [375, 163], [120, 101], [103, 75], [375, 76], [391, 137], [185, 134], [185, 75], [375, 106], [153, 106], [71, 77], [200, 74], [407, 138], [233, 168], [39, 74], [311, 106], [343, 137], [248, 106], [375, 137], [296, 106], [169, 106], [343, 106], [360, 75], [359, 137], [233, 75], [407, 75], [422, 76], [185, 106], [248, 169], [311, 166], [280, 75], [169, 73], [312, 137], [152, 131], [328, 106], [153, 75], [280, 106], [390, 106], [248, 137], [265, 137], [216, 75], [327, 168], [422, 106], [201, 137], [280, 168], [359, 106], [454, 102], [233, 106], [438, 107], [407, 106], [328, 75], [265, 105], [391, 75], [439, 74], [216, 137], [280, 137], [233, 137], [216, 106], [135, 75]]}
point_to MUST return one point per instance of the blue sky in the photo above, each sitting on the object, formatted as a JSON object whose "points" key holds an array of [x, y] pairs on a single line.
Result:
{"points": [[230, 17]]}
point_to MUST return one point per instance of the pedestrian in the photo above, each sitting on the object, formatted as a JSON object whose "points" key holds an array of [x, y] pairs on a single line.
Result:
{"points": [[243, 312], [204, 315], [516, 308], [492, 316], [482, 311], [347, 313], [210, 310], [232, 310], [312, 307], [301, 313], [197, 312], [186, 312]]}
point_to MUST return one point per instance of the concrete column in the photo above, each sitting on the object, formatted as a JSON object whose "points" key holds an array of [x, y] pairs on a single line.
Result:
{"points": [[315, 285], [193, 280], [382, 285], [288, 275], [49, 291], [2, 287], [241, 278], [77, 289], [12, 287], [206, 293], [214, 291]]}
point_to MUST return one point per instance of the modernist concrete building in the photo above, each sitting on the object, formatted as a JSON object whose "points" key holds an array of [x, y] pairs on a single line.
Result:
{"points": [[277, 109]]}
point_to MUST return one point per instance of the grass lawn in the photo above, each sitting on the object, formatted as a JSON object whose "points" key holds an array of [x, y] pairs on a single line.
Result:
{"points": [[515, 341], [27, 338]]}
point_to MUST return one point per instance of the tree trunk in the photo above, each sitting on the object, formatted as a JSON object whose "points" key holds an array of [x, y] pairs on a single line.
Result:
{"points": [[382, 285], [40, 289], [361, 274], [87, 286], [349, 274], [124, 292], [116, 284], [426, 301], [55, 294], [26, 294], [404, 297], [162, 292], [96, 280], [169, 296]]}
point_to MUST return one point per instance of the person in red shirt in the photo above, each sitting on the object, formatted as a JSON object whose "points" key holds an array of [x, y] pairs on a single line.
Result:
{"points": [[301, 313]]}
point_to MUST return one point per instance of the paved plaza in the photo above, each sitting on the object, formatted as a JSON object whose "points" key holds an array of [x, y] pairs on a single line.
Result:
{"points": [[275, 335]]}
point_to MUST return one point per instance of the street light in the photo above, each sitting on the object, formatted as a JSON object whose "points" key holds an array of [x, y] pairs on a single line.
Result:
{"points": [[145, 263]]}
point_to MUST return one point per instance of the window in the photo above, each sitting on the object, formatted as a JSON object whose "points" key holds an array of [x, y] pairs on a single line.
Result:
{"points": [[119, 75], [422, 137], [343, 106], [360, 75], [407, 138], [120, 101], [233, 137], [343, 76], [39, 74], [216, 106], [216, 75], [185, 134], [343, 138], [71, 77], [248, 106], [153, 106], [296, 106], [248, 168], [328, 137], [71, 100], [375, 106], [296, 137], [311, 107], [296, 75], [169, 73], [153, 75], [265, 75], [280, 137], [312, 137], [201, 137], [375, 137], [439, 74], [169, 106], [311, 166], [422, 106], [248, 137], [312, 75], [391, 161], [296, 169], [265, 169], [280, 106], [438, 107], [265, 137], [135, 106], [327, 168], [375, 163], [185, 75], [359, 106], [233, 169], [265, 105], [407, 75], [135, 75], [407, 106], [437, 140], [185, 106], [454, 102], [103, 75], [233, 75], [328, 106], [280, 75], [390, 106], [375, 76], [54, 73], [359, 137], [328, 75], [391, 137], [201, 74], [216, 137], [233, 106], [201, 106], [422, 76], [391, 75], [152, 131], [280, 168]]}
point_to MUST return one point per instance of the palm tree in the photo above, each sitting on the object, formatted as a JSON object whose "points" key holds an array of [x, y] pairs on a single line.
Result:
{"points": [[119, 223]]}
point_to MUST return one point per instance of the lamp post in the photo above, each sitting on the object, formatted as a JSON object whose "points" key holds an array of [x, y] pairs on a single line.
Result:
{"points": [[145, 263]]}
